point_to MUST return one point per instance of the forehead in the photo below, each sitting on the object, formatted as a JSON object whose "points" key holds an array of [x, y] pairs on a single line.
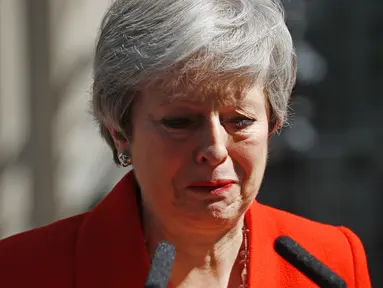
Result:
{"points": [[211, 92]]}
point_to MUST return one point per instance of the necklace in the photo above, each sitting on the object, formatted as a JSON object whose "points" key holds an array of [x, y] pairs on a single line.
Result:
{"points": [[244, 257]]}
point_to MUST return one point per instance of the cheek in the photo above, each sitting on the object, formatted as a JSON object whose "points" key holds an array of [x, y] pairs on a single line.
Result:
{"points": [[250, 156], [158, 156], [155, 167]]}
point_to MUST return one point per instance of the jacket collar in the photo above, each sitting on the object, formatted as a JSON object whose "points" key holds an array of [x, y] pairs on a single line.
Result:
{"points": [[111, 245]]}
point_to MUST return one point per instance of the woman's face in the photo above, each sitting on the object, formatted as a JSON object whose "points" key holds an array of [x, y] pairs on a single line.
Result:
{"points": [[199, 160]]}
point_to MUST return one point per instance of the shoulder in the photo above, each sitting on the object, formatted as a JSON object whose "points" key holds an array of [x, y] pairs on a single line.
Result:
{"points": [[47, 250], [306, 230], [298, 226], [336, 246]]}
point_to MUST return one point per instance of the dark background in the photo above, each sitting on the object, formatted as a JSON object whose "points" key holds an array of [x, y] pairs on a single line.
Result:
{"points": [[329, 165]]}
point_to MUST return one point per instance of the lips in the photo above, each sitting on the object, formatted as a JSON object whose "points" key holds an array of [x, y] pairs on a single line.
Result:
{"points": [[215, 187]]}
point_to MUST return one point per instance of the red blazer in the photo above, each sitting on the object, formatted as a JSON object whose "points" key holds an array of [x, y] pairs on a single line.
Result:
{"points": [[105, 248]]}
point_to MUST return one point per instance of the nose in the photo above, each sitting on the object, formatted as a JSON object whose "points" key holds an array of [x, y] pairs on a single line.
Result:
{"points": [[212, 148]]}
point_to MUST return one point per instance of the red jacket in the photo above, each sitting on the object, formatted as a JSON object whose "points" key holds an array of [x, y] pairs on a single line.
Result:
{"points": [[105, 248]]}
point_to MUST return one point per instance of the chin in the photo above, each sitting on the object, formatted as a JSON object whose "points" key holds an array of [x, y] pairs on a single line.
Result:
{"points": [[215, 214], [227, 213]]}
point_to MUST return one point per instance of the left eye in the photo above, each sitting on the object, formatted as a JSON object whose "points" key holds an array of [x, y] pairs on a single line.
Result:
{"points": [[241, 122]]}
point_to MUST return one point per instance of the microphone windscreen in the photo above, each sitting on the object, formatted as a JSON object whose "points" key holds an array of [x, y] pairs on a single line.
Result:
{"points": [[315, 270], [161, 266]]}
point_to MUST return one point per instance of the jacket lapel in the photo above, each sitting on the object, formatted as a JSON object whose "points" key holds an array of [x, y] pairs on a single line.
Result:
{"points": [[110, 248]]}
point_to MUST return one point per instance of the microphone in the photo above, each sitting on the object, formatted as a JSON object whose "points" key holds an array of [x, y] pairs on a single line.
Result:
{"points": [[161, 266], [306, 263]]}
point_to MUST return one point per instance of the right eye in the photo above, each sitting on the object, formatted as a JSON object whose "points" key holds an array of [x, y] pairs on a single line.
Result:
{"points": [[177, 123]]}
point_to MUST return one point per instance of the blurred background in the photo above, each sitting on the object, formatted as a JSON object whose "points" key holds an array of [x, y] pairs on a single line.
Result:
{"points": [[327, 165]]}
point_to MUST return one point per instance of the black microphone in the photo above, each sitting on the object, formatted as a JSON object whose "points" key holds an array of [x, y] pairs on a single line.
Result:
{"points": [[315, 270], [161, 266]]}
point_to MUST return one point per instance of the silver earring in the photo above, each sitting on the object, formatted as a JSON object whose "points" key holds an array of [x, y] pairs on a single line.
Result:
{"points": [[124, 159]]}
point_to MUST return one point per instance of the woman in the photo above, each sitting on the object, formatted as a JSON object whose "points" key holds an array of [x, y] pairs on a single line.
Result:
{"points": [[189, 92]]}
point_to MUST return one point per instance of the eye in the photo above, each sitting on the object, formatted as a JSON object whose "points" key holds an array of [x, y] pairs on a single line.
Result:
{"points": [[177, 123], [241, 122]]}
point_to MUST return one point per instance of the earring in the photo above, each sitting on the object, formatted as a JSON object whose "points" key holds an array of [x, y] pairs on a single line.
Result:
{"points": [[124, 159]]}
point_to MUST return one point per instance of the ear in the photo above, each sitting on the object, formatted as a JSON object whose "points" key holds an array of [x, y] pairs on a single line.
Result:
{"points": [[120, 141]]}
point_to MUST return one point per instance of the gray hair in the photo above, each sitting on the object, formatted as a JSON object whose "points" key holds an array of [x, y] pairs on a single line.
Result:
{"points": [[142, 40]]}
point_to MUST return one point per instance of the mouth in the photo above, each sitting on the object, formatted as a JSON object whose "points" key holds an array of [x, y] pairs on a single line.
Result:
{"points": [[215, 187]]}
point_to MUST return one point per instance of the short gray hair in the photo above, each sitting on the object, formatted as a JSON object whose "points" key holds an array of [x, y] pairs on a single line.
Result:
{"points": [[142, 39]]}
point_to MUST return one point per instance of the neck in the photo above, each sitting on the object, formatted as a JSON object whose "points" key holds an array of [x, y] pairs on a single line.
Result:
{"points": [[206, 255]]}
